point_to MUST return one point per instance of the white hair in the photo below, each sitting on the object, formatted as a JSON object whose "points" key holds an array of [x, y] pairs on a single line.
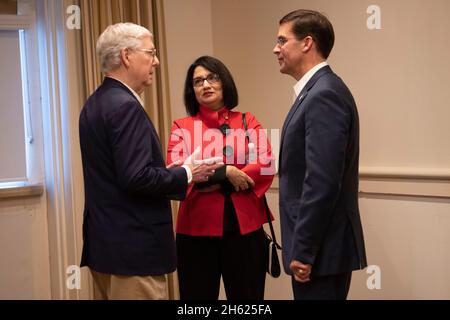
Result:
{"points": [[115, 38]]}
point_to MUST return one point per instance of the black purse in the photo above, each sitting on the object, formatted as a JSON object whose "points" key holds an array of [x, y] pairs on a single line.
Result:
{"points": [[271, 244], [273, 263]]}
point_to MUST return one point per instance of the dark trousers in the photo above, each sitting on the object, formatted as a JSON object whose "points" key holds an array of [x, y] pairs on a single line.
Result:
{"points": [[333, 287], [239, 259]]}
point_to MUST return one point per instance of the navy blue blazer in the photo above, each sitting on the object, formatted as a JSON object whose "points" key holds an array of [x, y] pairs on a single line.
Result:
{"points": [[318, 175], [127, 227]]}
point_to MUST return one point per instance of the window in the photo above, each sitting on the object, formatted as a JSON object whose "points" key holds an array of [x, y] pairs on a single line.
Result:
{"points": [[12, 114], [20, 105]]}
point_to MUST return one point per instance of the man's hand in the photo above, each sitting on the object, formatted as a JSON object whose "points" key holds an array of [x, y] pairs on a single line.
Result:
{"points": [[194, 159], [239, 179], [174, 164], [301, 271], [201, 173], [202, 169]]}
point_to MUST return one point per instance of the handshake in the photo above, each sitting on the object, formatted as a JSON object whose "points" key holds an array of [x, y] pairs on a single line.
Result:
{"points": [[201, 169]]}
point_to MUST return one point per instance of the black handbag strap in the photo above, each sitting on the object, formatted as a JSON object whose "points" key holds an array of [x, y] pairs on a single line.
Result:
{"points": [[272, 231]]}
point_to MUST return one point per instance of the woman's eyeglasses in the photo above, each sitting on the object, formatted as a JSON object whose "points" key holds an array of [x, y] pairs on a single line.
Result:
{"points": [[212, 78]]}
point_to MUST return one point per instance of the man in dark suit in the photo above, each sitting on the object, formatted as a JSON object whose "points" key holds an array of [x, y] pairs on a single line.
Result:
{"points": [[128, 235], [318, 165]]}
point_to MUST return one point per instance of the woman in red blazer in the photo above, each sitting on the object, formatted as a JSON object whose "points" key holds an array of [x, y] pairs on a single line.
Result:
{"points": [[219, 225]]}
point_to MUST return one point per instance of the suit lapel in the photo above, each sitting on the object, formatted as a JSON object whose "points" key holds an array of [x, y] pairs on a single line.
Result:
{"points": [[301, 98], [291, 112]]}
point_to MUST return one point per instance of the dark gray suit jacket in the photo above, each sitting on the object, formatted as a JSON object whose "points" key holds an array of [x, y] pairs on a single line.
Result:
{"points": [[127, 228], [318, 172]]}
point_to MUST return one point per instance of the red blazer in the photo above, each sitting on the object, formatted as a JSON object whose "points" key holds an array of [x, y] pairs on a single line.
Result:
{"points": [[201, 213]]}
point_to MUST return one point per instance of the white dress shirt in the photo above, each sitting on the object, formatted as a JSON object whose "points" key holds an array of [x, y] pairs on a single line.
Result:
{"points": [[298, 87]]}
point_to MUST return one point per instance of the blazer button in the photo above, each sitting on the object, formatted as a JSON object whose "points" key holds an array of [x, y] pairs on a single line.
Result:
{"points": [[228, 151]]}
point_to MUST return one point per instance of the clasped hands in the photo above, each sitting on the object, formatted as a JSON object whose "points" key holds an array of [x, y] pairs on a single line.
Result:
{"points": [[238, 178]]}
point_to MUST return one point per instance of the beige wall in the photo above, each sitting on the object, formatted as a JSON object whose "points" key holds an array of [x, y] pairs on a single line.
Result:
{"points": [[24, 266], [399, 76], [189, 36], [409, 239]]}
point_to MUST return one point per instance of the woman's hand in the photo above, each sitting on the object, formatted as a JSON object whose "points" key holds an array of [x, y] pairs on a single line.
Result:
{"points": [[239, 179]]}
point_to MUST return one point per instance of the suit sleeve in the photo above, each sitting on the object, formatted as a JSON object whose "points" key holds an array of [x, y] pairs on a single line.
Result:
{"points": [[327, 126], [179, 147], [137, 155], [262, 168]]}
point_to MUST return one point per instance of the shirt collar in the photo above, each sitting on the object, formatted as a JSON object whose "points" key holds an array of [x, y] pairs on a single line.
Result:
{"points": [[298, 87], [213, 118], [132, 91]]}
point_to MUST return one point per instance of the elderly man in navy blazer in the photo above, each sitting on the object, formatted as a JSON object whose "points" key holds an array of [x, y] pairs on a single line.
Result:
{"points": [[128, 235], [318, 165]]}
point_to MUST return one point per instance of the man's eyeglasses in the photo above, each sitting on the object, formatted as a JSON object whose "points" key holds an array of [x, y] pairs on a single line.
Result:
{"points": [[281, 41], [150, 52], [212, 78]]}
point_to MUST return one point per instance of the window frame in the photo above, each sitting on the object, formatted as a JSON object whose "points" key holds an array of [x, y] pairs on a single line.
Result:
{"points": [[25, 23]]}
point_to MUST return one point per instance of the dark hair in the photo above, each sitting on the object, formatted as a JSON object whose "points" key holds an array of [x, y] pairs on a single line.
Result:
{"points": [[230, 94], [314, 24]]}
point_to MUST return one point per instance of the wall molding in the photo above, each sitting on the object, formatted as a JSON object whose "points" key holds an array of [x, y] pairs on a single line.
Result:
{"points": [[26, 191], [405, 173], [393, 181], [404, 181], [387, 195]]}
